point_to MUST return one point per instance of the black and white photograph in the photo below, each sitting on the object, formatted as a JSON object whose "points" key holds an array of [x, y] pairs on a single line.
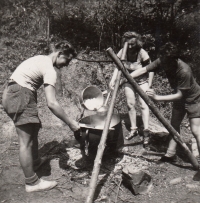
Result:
{"points": [[99, 101]]}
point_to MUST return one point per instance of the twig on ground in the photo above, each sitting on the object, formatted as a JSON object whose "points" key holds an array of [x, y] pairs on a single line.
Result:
{"points": [[118, 184], [139, 156], [118, 190], [118, 196]]}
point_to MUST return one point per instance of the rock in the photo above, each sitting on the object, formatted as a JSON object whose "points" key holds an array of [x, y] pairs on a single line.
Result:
{"points": [[117, 168], [157, 129], [137, 180], [175, 181], [193, 186]]}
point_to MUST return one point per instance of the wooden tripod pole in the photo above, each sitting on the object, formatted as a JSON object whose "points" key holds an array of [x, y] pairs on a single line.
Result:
{"points": [[101, 147], [153, 108]]}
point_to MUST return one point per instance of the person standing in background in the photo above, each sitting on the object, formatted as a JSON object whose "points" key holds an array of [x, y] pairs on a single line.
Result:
{"points": [[136, 58]]}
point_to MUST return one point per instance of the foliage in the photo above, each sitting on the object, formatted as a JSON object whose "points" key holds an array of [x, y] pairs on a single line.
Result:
{"points": [[102, 23], [27, 27], [24, 18]]}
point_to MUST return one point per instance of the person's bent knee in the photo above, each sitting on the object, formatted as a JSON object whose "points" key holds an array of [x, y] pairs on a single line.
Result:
{"points": [[131, 106], [25, 145], [144, 107]]}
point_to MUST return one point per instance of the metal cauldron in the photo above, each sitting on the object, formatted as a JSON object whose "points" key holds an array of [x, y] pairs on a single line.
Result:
{"points": [[92, 128]]}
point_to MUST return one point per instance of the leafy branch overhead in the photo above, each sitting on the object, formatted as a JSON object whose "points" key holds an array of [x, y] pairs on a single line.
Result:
{"points": [[97, 24]]}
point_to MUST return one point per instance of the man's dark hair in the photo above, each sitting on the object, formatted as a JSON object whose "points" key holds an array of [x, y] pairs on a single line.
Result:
{"points": [[65, 47], [169, 50]]}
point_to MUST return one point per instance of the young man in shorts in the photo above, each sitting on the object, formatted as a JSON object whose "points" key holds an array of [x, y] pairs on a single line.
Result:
{"points": [[185, 97], [20, 103]]}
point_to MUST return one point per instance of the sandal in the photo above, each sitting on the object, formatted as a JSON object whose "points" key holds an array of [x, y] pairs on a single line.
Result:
{"points": [[132, 133], [146, 142]]}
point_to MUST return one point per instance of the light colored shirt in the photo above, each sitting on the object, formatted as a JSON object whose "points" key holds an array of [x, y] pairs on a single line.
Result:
{"points": [[34, 72]]}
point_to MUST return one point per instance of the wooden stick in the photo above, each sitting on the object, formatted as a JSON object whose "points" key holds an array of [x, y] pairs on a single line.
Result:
{"points": [[101, 147], [118, 190], [107, 98], [153, 108]]}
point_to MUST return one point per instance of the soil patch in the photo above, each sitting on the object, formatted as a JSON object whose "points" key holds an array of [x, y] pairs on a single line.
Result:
{"points": [[57, 142]]}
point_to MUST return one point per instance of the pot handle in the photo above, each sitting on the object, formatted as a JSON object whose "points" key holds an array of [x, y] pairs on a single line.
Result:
{"points": [[81, 116], [87, 142]]}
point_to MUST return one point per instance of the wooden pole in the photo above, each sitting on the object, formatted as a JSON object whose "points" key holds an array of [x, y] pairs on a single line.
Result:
{"points": [[153, 108], [101, 147]]}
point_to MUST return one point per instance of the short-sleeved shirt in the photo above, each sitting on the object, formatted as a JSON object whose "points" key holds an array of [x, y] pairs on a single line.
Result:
{"points": [[180, 78], [143, 59], [34, 72]]}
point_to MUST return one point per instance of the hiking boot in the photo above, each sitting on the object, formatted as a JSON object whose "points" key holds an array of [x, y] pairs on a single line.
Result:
{"points": [[39, 162], [172, 159], [41, 186]]}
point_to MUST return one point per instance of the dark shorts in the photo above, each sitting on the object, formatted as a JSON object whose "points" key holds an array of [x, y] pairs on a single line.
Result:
{"points": [[20, 104], [192, 110]]}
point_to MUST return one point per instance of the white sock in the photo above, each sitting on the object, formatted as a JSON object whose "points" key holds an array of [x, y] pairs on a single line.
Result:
{"points": [[170, 153]]}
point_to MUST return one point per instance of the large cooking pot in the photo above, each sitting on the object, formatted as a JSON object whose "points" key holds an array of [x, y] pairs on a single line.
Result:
{"points": [[97, 121], [92, 128]]}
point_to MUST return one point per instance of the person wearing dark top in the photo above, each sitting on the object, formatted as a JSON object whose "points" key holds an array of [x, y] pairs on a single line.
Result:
{"points": [[185, 97]]}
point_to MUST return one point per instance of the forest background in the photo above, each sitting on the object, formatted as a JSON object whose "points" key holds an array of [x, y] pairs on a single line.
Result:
{"points": [[29, 26]]}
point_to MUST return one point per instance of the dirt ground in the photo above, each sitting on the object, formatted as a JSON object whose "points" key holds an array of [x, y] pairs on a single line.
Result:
{"points": [[172, 183]]}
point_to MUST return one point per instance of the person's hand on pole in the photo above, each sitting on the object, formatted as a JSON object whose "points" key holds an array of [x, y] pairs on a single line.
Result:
{"points": [[112, 84], [151, 93], [122, 81]]}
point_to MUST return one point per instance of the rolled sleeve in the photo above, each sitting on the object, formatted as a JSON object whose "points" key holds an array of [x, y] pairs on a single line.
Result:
{"points": [[50, 78], [144, 55], [184, 81]]}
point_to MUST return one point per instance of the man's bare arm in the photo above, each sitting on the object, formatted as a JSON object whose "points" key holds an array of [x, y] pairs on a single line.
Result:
{"points": [[56, 109]]}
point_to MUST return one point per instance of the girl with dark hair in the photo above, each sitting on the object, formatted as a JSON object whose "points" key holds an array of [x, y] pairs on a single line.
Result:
{"points": [[20, 103], [185, 97], [136, 58]]}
